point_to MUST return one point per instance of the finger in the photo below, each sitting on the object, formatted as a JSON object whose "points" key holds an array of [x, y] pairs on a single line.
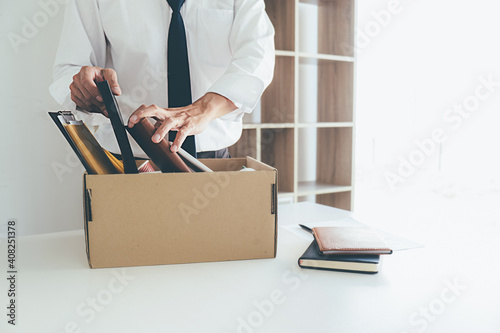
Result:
{"points": [[99, 78], [104, 111], [144, 111], [163, 130], [96, 109], [79, 98], [110, 75], [181, 136], [92, 108], [134, 117], [79, 102], [86, 83]]}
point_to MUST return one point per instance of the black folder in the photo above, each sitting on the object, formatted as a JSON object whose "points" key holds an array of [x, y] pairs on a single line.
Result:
{"points": [[118, 127], [55, 117], [94, 158]]}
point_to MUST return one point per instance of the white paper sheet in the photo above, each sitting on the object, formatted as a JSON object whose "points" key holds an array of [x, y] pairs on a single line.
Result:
{"points": [[394, 242]]}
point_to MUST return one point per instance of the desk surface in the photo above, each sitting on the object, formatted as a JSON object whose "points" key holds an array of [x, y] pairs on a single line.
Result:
{"points": [[447, 286]]}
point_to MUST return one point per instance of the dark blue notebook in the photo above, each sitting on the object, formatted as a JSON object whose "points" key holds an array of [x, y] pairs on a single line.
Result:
{"points": [[313, 258]]}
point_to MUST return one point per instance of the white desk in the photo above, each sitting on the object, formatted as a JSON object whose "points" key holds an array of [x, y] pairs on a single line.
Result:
{"points": [[54, 283]]}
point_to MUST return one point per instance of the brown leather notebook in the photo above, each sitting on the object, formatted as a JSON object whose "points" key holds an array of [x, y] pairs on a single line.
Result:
{"points": [[160, 152], [349, 240]]}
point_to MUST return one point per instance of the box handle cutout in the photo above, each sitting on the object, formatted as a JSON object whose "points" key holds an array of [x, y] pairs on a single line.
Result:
{"points": [[273, 199], [88, 204]]}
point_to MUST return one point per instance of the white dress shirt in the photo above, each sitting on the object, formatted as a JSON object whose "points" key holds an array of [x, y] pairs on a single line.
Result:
{"points": [[230, 46]]}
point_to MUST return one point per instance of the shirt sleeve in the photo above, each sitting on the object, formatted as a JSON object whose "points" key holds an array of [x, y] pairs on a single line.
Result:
{"points": [[82, 43], [252, 66]]}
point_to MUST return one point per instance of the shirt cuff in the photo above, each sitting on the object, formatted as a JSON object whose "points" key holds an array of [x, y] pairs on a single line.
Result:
{"points": [[243, 90], [235, 115], [59, 90]]}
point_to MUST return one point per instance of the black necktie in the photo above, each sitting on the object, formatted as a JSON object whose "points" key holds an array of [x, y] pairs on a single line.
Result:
{"points": [[179, 80]]}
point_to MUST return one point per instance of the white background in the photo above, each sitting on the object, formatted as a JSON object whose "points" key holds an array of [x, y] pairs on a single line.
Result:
{"points": [[413, 68], [31, 145], [426, 59]]}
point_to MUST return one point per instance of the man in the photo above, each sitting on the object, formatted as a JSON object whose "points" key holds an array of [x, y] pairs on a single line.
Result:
{"points": [[230, 47]]}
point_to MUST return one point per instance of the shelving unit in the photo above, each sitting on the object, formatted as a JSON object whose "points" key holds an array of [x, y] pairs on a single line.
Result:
{"points": [[304, 125]]}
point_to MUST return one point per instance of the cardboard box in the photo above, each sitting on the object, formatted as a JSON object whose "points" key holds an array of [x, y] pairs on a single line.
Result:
{"points": [[170, 218]]}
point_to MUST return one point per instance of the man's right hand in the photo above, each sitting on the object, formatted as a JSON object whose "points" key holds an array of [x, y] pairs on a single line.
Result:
{"points": [[84, 91]]}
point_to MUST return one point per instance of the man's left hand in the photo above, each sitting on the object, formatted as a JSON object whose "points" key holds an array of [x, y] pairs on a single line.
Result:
{"points": [[187, 120]]}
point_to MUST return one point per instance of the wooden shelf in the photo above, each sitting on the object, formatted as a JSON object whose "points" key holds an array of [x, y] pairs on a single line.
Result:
{"points": [[304, 124], [297, 125], [315, 187], [285, 53], [282, 15], [278, 99], [286, 194], [277, 149], [275, 125], [335, 27], [247, 145], [334, 156], [326, 160], [325, 56], [325, 125], [342, 200], [333, 90]]}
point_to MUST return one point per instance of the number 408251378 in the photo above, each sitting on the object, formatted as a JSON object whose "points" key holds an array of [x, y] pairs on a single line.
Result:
{"points": [[11, 244]]}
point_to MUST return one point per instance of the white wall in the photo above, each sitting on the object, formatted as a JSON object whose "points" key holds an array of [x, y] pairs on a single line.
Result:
{"points": [[414, 66], [30, 143]]}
